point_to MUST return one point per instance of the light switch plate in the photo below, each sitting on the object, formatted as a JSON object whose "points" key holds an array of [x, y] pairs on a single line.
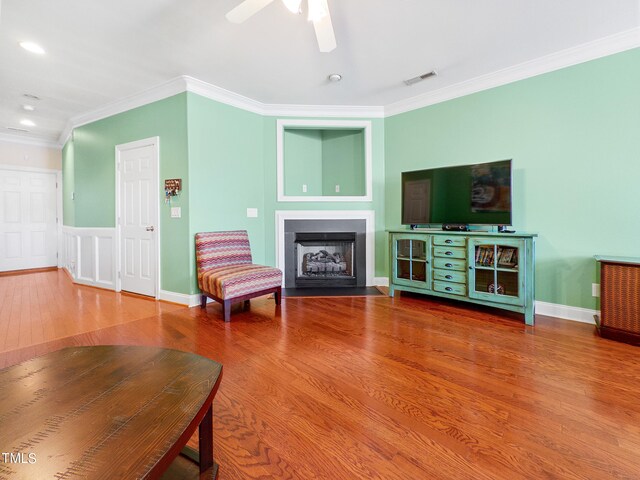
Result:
{"points": [[252, 212], [176, 212]]}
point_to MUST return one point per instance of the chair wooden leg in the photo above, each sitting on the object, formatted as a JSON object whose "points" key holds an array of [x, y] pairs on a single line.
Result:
{"points": [[247, 305], [226, 310], [203, 301], [277, 295]]}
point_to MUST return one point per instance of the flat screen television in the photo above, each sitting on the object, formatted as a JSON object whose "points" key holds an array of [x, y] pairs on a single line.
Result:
{"points": [[478, 194]]}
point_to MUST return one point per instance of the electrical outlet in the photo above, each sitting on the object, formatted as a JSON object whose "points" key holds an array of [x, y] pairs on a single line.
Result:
{"points": [[176, 212], [595, 289], [252, 212], [304, 188], [337, 188]]}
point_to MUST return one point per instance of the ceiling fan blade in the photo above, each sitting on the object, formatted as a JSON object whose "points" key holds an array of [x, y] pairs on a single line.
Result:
{"points": [[246, 9], [324, 32]]}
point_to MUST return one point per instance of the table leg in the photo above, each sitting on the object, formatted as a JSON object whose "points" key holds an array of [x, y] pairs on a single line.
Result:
{"points": [[204, 455], [205, 446]]}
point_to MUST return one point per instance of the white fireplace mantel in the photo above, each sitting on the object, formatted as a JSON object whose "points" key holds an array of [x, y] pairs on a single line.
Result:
{"points": [[367, 215]]}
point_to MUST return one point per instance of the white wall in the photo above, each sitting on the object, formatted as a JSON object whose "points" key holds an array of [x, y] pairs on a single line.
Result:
{"points": [[31, 156]]}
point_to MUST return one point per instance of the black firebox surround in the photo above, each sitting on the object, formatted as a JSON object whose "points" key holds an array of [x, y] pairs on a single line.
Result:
{"points": [[325, 226]]}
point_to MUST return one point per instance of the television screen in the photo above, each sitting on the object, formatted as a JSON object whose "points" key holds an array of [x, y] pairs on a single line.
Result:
{"points": [[477, 194]]}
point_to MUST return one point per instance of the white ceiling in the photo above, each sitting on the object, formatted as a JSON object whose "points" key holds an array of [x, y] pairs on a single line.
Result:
{"points": [[99, 52]]}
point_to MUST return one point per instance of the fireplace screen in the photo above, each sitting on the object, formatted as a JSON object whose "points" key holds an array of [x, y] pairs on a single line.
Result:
{"points": [[321, 259]]}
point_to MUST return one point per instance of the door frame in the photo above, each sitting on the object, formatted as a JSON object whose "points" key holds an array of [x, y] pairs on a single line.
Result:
{"points": [[155, 143], [59, 206]]}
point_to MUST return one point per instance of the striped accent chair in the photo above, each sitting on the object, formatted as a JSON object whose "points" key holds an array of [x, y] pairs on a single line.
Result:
{"points": [[226, 272]]}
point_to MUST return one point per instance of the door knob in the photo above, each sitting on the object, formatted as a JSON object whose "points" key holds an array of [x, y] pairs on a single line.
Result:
{"points": [[150, 229]]}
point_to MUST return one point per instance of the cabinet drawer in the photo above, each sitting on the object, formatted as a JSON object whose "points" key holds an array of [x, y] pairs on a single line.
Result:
{"points": [[452, 288], [449, 252], [450, 264], [452, 241], [449, 276]]}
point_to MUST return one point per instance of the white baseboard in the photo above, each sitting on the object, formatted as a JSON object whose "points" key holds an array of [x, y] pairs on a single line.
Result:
{"points": [[576, 314], [381, 281], [181, 298]]}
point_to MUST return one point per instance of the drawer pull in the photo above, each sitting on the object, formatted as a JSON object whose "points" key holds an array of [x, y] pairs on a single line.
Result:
{"points": [[448, 277], [448, 253], [448, 289], [448, 240], [448, 265]]}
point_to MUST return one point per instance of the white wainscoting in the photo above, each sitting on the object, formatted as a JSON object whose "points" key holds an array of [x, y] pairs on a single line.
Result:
{"points": [[89, 255]]}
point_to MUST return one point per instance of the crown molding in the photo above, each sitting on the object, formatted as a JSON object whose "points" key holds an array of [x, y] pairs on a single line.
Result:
{"points": [[221, 95], [332, 111], [228, 97], [185, 83], [160, 92], [30, 141], [565, 58], [66, 133], [589, 51]]}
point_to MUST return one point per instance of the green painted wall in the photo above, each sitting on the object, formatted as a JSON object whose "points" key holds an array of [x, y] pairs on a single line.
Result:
{"points": [[270, 195], [574, 139], [90, 169], [302, 162], [226, 171], [343, 163]]}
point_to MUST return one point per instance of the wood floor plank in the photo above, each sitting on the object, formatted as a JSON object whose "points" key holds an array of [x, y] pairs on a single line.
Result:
{"points": [[370, 387]]}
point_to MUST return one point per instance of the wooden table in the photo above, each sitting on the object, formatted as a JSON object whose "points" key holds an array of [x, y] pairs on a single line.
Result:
{"points": [[106, 412]]}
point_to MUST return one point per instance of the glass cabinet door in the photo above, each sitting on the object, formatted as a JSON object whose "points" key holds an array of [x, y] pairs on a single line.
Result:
{"points": [[495, 272], [410, 260]]}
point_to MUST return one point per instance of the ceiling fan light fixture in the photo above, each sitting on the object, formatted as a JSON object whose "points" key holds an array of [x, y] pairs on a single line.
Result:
{"points": [[318, 9], [294, 6]]}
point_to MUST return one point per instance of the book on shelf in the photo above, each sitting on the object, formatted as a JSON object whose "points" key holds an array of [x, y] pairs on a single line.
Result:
{"points": [[508, 257], [485, 255], [488, 255]]}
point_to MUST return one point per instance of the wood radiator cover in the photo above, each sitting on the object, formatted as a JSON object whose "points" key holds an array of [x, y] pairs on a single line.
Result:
{"points": [[620, 300]]}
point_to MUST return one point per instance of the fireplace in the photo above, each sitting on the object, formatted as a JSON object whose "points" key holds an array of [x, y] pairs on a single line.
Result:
{"points": [[325, 253], [325, 259]]}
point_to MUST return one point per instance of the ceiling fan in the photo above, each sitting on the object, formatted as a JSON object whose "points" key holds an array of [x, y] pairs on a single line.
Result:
{"points": [[317, 13]]}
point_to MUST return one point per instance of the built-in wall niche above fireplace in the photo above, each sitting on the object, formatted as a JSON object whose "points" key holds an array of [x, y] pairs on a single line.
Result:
{"points": [[324, 161]]}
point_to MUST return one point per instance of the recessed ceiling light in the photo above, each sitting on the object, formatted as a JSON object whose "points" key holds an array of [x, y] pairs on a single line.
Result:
{"points": [[32, 47], [27, 123], [28, 108], [335, 77]]}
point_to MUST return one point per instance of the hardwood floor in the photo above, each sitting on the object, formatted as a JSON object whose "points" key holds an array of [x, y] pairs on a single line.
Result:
{"points": [[370, 387]]}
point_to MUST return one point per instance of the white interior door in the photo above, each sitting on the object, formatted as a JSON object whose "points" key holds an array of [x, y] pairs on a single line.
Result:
{"points": [[28, 231], [138, 172]]}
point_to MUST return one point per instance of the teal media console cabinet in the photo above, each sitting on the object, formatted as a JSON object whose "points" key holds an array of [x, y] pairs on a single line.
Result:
{"points": [[487, 268]]}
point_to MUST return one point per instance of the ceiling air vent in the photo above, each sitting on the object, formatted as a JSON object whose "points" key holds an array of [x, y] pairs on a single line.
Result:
{"points": [[419, 78], [14, 129]]}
